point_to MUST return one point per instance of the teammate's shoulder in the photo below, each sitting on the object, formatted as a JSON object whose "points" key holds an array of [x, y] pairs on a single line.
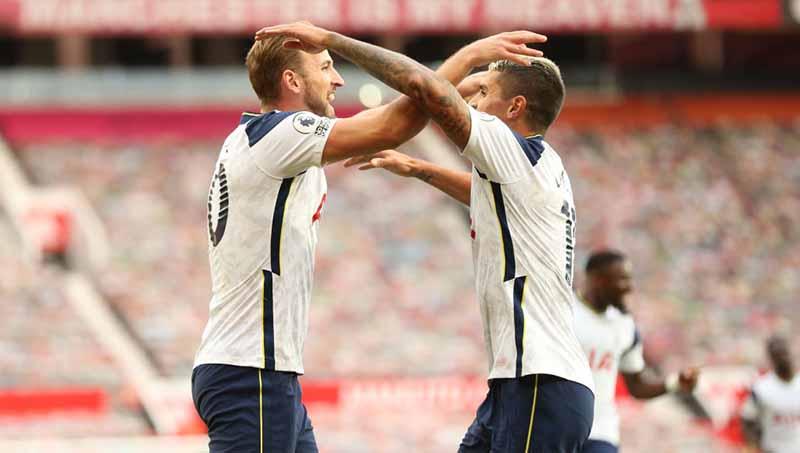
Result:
{"points": [[613, 312], [622, 319], [765, 381]]}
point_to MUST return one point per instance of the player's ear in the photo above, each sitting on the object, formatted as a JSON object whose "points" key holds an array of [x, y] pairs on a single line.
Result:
{"points": [[517, 108], [292, 81]]}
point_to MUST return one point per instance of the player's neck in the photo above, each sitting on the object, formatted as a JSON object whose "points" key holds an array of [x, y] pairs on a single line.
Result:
{"points": [[528, 132], [590, 301], [521, 127], [284, 105], [785, 375]]}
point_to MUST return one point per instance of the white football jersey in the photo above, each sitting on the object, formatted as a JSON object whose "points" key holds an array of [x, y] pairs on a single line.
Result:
{"points": [[523, 229], [264, 204], [775, 404], [612, 344]]}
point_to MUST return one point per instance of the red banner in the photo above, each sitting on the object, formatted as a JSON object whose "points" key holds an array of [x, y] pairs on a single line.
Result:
{"points": [[245, 16], [28, 402]]}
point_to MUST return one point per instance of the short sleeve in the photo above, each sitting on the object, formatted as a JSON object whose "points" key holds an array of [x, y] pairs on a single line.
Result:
{"points": [[495, 150], [285, 144], [632, 360], [750, 409]]}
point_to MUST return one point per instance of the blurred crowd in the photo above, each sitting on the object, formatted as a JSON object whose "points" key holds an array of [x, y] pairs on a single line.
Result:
{"points": [[45, 344], [711, 221], [385, 276], [710, 218]]}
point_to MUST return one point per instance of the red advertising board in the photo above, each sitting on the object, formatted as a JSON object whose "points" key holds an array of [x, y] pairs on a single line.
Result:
{"points": [[144, 17]]}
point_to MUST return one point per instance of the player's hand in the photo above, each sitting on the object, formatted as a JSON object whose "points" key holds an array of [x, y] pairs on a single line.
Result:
{"points": [[687, 379], [391, 160], [303, 35], [505, 46]]}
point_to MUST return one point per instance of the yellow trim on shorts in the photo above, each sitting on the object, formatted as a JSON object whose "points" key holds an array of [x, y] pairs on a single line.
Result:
{"points": [[260, 413], [533, 411], [263, 327]]}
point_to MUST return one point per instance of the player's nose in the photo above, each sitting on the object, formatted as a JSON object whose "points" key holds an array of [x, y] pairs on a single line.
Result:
{"points": [[337, 80]]}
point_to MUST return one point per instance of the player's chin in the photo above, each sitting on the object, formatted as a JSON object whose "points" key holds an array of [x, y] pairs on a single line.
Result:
{"points": [[330, 112]]}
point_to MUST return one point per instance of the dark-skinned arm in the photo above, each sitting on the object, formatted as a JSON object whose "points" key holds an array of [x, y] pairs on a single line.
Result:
{"points": [[752, 431], [641, 386], [750, 418]]}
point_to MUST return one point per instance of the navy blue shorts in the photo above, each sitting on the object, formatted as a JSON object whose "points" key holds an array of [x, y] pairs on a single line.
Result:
{"points": [[531, 414], [249, 410], [599, 446]]}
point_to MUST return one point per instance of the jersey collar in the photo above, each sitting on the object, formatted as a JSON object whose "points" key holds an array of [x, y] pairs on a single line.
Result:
{"points": [[247, 116], [586, 303]]}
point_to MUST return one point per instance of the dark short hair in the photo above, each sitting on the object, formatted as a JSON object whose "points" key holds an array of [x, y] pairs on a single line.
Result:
{"points": [[266, 61], [540, 83], [601, 259]]}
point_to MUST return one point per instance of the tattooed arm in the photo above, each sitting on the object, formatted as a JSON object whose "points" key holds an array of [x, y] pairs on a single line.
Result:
{"points": [[431, 92], [434, 95]]}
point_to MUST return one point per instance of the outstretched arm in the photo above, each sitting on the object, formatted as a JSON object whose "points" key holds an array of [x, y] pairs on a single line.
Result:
{"points": [[434, 94], [642, 387], [390, 125], [750, 416], [455, 183]]}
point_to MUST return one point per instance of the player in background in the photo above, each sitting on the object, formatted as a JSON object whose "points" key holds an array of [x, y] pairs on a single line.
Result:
{"points": [[771, 414], [264, 207], [522, 210], [613, 345]]}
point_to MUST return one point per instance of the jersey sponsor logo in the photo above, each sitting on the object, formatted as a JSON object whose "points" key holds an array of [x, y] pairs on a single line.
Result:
{"points": [[600, 361], [304, 123]]}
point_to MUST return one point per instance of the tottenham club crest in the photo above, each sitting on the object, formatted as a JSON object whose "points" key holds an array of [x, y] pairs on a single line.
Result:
{"points": [[305, 123]]}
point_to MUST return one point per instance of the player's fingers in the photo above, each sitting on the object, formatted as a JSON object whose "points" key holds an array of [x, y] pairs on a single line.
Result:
{"points": [[357, 160], [373, 163], [274, 30], [526, 36], [516, 58], [293, 44], [522, 49]]}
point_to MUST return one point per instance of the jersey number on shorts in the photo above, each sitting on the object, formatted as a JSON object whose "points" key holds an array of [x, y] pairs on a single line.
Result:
{"points": [[569, 213], [218, 203]]}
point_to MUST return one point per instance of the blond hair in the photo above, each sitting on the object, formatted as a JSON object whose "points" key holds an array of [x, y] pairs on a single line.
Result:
{"points": [[266, 61]]}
